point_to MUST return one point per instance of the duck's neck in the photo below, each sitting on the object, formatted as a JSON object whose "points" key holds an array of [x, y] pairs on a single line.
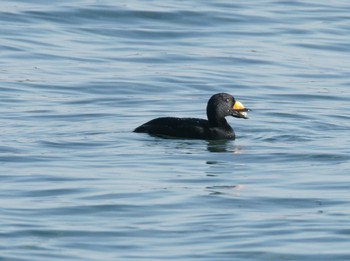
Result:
{"points": [[221, 122]]}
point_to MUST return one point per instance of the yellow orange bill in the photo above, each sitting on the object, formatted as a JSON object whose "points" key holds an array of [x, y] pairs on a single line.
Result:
{"points": [[239, 110], [238, 106]]}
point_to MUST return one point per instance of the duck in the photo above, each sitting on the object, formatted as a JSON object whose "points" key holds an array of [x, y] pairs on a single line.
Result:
{"points": [[215, 127]]}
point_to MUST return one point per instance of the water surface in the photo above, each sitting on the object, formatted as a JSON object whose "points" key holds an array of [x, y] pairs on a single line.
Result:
{"points": [[78, 76]]}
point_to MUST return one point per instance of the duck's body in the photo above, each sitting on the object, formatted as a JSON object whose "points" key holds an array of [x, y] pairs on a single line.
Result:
{"points": [[189, 128], [215, 128]]}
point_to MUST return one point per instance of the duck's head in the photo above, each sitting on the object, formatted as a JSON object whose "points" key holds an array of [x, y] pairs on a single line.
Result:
{"points": [[222, 104]]}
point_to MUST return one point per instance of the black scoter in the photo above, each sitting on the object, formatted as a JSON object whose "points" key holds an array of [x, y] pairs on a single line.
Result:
{"points": [[216, 127]]}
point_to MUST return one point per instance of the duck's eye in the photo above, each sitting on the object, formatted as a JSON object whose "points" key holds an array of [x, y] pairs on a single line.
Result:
{"points": [[227, 100]]}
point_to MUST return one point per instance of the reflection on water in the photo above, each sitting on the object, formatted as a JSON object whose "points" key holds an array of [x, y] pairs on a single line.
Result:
{"points": [[223, 146]]}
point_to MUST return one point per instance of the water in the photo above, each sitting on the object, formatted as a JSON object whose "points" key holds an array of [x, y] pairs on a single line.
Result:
{"points": [[78, 76]]}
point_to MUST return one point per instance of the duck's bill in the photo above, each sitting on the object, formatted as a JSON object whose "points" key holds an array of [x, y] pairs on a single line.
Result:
{"points": [[239, 111]]}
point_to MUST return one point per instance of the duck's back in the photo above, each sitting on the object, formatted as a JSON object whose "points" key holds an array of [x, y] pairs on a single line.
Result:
{"points": [[191, 128]]}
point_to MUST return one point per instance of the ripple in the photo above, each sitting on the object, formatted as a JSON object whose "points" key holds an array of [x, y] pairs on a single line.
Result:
{"points": [[78, 184]]}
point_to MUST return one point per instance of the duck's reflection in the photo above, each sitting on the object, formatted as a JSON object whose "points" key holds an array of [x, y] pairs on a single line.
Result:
{"points": [[223, 146], [218, 145]]}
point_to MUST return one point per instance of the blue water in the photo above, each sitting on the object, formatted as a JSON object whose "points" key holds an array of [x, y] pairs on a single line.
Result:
{"points": [[76, 77]]}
